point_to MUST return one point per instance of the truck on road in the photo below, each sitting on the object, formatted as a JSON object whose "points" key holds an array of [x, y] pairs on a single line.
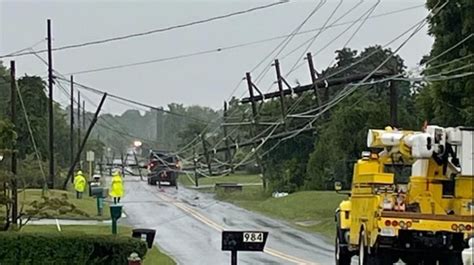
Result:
{"points": [[163, 168], [424, 218]]}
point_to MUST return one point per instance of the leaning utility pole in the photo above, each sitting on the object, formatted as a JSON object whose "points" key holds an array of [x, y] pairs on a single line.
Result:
{"points": [[51, 121], [14, 186], [206, 153], [312, 72], [393, 104], [71, 123], [83, 143], [280, 89], [252, 129], [195, 160], [228, 154]]}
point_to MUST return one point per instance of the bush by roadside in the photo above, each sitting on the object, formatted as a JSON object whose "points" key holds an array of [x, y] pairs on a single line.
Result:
{"points": [[43, 248]]}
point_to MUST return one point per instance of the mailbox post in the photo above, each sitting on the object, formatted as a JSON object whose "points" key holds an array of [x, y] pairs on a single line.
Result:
{"points": [[234, 241], [115, 213]]}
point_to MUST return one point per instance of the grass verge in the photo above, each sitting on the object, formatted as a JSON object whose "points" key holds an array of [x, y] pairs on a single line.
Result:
{"points": [[235, 178], [86, 204], [309, 210], [153, 257]]}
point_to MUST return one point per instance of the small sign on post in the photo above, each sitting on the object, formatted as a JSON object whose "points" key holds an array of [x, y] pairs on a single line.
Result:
{"points": [[90, 156], [90, 159], [243, 241]]}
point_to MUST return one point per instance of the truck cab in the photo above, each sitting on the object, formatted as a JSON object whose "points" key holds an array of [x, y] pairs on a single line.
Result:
{"points": [[423, 218]]}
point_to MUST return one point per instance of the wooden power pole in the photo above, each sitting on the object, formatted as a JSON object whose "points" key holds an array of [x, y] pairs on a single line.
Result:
{"points": [[14, 186], [254, 123], [206, 154], [71, 123], [79, 124], [51, 120], [228, 153]]}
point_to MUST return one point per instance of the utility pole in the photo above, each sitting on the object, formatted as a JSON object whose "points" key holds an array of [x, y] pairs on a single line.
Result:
{"points": [[393, 104], [123, 164], [206, 153], [51, 121], [71, 123], [228, 154], [312, 72], [252, 129], [157, 127], [79, 124], [280, 89], [195, 160], [84, 126], [81, 147], [13, 162], [83, 114]]}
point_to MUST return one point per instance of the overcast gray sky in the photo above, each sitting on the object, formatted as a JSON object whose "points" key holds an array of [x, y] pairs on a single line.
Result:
{"points": [[206, 79]]}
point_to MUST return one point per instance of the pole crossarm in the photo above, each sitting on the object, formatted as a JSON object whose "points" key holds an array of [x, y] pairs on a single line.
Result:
{"points": [[320, 82]]}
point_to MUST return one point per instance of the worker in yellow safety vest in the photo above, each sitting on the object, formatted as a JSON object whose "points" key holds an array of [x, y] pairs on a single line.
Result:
{"points": [[79, 184], [116, 190]]}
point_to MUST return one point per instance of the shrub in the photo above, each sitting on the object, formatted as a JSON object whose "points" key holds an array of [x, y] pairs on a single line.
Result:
{"points": [[39, 248]]}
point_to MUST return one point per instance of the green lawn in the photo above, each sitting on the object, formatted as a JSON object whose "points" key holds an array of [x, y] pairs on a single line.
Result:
{"points": [[153, 257], [234, 178], [86, 204], [309, 210]]}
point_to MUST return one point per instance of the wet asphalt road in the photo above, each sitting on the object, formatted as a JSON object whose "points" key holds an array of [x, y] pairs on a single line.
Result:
{"points": [[189, 225]]}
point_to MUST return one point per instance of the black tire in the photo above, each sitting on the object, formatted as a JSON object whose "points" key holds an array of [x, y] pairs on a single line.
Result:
{"points": [[452, 259], [411, 260], [342, 254], [366, 258]]}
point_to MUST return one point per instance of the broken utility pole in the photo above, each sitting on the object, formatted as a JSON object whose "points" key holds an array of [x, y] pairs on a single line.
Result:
{"points": [[207, 155], [196, 176], [51, 120], [228, 153], [14, 186], [252, 128], [83, 144], [313, 75], [320, 82], [280, 89]]}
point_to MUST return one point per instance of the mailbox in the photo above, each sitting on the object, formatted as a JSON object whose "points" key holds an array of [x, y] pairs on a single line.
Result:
{"points": [[97, 191], [115, 211], [244, 240]]}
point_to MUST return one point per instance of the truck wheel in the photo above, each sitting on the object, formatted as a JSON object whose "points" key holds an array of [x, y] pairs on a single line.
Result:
{"points": [[343, 256], [364, 257], [452, 259]]}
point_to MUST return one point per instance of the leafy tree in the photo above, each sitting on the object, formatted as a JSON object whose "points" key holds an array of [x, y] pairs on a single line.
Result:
{"points": [[450, 102]]}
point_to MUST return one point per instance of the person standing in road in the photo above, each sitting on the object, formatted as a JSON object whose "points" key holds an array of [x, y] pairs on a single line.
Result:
{"points": [[79, 184], [116, 191]]}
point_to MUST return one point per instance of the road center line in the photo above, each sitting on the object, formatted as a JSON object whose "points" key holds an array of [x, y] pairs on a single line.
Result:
{"points": [[220, 228]]}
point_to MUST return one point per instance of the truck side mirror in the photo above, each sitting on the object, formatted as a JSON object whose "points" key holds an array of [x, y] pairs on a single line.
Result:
{"points": [[337, 186]]}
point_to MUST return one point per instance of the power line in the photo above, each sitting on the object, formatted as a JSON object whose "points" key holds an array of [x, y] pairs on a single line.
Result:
{"points": [[134, 35], [98, 91], [344, 93], [295, 66], [225, 48], [352, 23]]}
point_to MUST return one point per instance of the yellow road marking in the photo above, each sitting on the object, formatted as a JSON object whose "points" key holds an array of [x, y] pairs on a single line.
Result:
{"points": [[220, 228]]}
